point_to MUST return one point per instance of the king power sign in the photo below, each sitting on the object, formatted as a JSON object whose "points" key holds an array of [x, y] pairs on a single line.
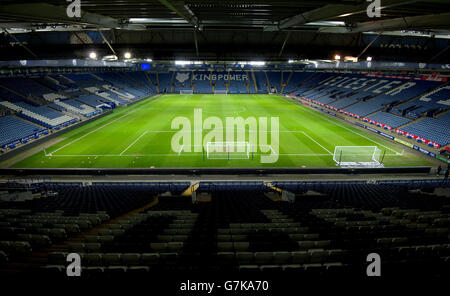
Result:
{"points": [[183, 77]]}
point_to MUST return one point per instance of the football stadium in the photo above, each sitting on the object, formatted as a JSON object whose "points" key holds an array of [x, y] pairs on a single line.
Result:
{"points": [[279, 141]]}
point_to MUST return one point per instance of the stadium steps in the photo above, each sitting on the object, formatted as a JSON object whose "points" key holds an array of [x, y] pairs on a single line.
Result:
{"points": [[411, 122], [151, 82], [171, 82], [267, 84], [157, 82], [286, 84], [303, 83], [69, 113], [136, 82], [5, 111], [382, 110], [254, 81], [29, 121], [80, 237], [442, 113]]}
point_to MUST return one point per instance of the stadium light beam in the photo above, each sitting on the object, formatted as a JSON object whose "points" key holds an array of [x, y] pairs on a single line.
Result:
{"points": [[127, 55], [93, 55], [369, 59], [337, 57]]}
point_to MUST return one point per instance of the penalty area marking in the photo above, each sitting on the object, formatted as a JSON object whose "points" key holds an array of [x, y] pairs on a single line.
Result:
{"points": [[338, 124], [317, 143], [134, 142]]}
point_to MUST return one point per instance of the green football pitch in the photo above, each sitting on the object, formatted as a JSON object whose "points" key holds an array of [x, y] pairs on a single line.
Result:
{"points": [[143, 136]]}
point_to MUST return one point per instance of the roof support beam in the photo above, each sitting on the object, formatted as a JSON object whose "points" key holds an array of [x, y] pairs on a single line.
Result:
{"points": [[413, 22], [196, 43], [50, 13], [331, 11], [21, 44], [284, 43], [189, 16], [368, 45], [438, 54], [107, 42]]}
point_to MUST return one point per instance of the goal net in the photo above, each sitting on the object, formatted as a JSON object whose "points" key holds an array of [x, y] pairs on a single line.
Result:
{"points": [[186, 92], [357, 156], [228, 150], [220, 92]]}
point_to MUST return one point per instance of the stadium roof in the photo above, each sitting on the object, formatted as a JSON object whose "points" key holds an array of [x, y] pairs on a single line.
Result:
{"points": [[213, 29]]}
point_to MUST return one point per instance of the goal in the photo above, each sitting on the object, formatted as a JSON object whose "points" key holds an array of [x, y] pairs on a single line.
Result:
{"points": [[186, 92], [228, 150], [220, 92], [358, 156]]}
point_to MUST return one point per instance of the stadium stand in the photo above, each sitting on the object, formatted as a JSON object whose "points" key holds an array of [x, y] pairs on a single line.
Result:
{"points": [[76, 107], [219, 81], [238, 82], [142, 80], [261, 81], [41, 115], [432, 129], [389, 119], [401, 93], [201, 82], [14, 130], [393, 102], [274, 78], [164, 82], [324, 232], [26, 86], [436, 101]]}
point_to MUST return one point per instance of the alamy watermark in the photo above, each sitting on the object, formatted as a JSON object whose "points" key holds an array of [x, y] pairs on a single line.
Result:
{"points": [[374, 268], [74, 8], [74, 268], [374, 8], [190, 136]]}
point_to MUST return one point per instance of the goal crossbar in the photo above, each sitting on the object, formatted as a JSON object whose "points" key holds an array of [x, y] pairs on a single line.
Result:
{"points": [[220, 92], [357, 156], [228, 150]]}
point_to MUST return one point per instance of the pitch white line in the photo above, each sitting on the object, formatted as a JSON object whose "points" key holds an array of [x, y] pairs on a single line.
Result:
{"points": [[134, 142], [77, 139], [317, 143], [176, 154], [93, 131]]}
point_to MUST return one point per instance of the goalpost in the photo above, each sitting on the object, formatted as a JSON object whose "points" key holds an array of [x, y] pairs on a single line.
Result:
{"points": [[228, 150], [186, 92], [358, 156], [220, 92]]}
